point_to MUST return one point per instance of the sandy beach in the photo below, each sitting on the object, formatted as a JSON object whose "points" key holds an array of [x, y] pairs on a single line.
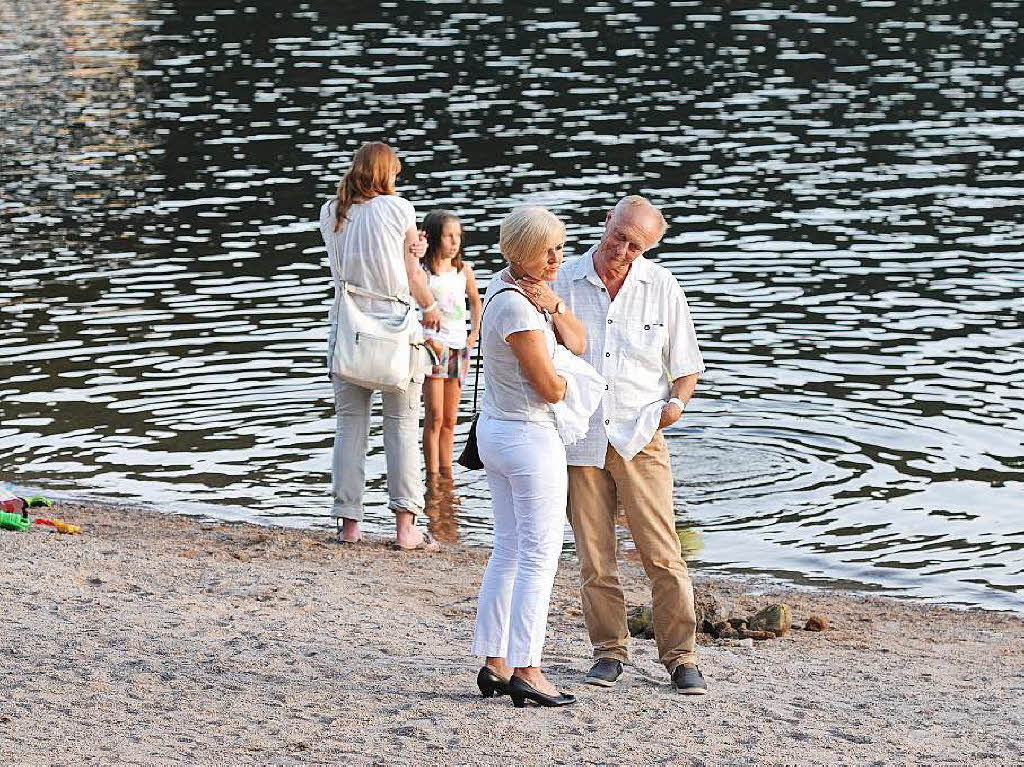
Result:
{"points": [[157, 639]]}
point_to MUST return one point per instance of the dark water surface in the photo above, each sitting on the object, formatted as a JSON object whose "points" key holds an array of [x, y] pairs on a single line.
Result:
{"points": [[844, 185]]}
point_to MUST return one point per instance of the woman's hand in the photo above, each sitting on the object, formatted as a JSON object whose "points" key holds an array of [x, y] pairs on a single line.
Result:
{"points": [[669, 414], [471, 340], [432, 318], [419, 247], [569, 331], [540, 295]]}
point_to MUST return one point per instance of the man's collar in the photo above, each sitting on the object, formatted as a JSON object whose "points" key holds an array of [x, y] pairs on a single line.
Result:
{"points": [[586, 270], [640, 269]]}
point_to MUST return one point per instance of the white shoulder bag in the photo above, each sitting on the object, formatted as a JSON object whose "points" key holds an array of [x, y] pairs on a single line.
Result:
{"points": [[376, 353]]}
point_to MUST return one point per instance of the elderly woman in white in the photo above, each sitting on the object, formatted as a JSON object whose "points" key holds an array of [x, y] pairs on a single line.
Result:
{"points": [[523, 455]]}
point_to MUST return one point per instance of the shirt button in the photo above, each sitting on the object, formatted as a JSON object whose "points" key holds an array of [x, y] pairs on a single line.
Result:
{"points": [[607, 354], [606, 387], [609, 322], [606, 422]]}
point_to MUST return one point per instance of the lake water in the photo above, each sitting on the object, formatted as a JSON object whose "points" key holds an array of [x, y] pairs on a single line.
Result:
{"points": [[844, 185]]}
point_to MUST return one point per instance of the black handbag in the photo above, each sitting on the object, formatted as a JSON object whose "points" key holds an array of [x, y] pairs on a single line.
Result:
{"points": [[470, 456]]}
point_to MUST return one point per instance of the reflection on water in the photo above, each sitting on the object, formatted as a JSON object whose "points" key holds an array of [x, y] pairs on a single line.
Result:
{"points": [[843, 184], [442, 504]]}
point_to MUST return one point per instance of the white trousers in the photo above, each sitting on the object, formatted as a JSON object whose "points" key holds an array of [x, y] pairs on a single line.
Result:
{"points": [[525, 463], [401, 412]]}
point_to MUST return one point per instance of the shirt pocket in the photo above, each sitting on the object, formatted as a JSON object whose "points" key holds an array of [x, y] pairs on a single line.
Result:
{"points": [[642, 351]]}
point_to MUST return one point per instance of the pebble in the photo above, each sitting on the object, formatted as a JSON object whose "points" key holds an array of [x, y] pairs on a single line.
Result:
{"points": [[817, 622], [641, 622], [776, 618], [760, 636]]}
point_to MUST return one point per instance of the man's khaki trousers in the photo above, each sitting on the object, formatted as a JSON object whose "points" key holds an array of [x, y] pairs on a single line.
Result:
{"points": [[644, 488]]}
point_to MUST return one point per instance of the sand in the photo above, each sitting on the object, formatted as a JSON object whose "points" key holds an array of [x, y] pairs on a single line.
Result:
{"points": [[158, 639]]}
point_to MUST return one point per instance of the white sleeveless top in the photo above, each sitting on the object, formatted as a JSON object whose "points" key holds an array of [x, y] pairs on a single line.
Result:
{"points": [[449, 291]]}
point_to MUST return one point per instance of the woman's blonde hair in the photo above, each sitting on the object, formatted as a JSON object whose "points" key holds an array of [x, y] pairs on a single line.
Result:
{"points": [[525, 232], [372, 174]]}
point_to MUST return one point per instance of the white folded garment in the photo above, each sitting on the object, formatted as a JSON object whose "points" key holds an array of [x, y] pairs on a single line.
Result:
{"points": [[643, 431], [583, 392]]}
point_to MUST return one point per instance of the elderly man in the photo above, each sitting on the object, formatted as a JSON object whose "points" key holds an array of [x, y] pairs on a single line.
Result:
{"points": [[641, 339]]}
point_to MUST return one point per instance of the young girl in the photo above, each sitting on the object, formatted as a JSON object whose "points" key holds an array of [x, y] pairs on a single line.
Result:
{"points": [[451, 282]]}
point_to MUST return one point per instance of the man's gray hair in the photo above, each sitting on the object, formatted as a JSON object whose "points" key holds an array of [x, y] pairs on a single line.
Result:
{"points": [[525, 231], [635, 201]]}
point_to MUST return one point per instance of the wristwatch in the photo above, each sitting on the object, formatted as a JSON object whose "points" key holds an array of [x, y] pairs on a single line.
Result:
{"points": [[678, 403], [559, 308]]}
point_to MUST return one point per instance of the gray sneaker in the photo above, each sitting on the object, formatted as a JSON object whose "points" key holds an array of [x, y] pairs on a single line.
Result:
{"points": [[689, 681], [604, 672]]}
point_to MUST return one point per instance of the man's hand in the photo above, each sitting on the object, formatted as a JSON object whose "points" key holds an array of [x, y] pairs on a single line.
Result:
{"points": [[669, 414]]}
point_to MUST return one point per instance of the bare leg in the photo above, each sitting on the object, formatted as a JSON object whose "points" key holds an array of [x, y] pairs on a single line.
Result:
{"points": [[497, 665], [534, 677], [433, 416], [446, 434], [348, 531], [407, 534]]}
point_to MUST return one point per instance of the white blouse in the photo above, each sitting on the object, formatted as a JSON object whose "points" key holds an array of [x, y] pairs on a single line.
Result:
{"points": [[507, 393], [369, 251]]}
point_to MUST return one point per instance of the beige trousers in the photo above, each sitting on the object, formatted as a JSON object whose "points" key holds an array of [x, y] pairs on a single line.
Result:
{"points": [[644, 488]]}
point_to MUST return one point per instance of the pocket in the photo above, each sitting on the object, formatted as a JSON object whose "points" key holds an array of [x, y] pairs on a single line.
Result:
{"points": [[642, 350], [375, 346], [647, 335], [386, 357]]}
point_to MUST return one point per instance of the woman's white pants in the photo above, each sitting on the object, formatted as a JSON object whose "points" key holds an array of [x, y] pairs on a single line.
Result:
{"points": [[525, 464]]}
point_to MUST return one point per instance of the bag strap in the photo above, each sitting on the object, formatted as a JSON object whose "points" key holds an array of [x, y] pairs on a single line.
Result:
{"points": [[480, 341], [348, 287]]}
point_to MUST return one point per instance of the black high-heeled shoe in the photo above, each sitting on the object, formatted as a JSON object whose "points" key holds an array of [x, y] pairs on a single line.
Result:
{"points": [[520, 692], [490, 684]]}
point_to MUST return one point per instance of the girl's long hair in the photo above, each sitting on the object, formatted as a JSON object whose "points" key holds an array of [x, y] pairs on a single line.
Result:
{"points": [[372, 174], [433, 225]]}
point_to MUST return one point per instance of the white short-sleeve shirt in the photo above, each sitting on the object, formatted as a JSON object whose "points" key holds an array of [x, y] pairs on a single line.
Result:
{"points": [[640, 343], [507, 393], [369, 251]]}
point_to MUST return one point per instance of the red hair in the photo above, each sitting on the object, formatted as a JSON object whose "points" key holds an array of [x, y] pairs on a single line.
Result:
{"points": [[372, 173]]}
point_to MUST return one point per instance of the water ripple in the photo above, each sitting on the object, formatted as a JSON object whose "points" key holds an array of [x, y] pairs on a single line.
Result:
{"points": [[841, 180]]}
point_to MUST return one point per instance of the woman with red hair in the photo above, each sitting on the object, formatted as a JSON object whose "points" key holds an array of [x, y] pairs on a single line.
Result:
{"points": [[372, 242]]}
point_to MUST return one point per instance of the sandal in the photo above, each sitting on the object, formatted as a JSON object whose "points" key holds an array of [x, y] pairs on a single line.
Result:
{"points": [[427, 544], [339, 539]]}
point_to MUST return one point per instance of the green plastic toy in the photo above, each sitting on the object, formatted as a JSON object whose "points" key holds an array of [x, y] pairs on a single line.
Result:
{"points": [[9, 521]]}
